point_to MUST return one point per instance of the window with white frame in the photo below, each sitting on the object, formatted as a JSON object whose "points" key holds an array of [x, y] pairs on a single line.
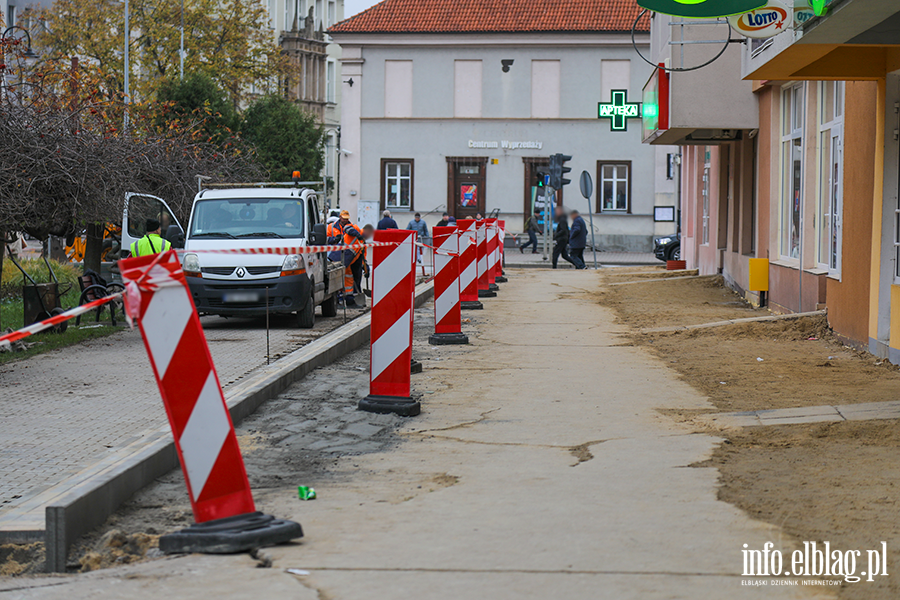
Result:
{"points": [[704, 224], [329, 81], [792, 109], [397, 181], [831, 150], [332, 13], [615, 186]]}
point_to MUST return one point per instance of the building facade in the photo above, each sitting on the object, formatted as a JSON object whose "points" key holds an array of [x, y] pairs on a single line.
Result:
{"points": [[806, 171], [457, 114], [301, 29]]}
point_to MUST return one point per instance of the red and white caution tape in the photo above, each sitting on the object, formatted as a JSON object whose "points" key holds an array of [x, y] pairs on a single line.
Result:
{"points": [[7, 340], [284, 250]]}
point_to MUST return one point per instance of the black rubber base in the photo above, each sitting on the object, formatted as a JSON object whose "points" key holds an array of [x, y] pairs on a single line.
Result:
{"points": [[501, 279], [487, 294], [405, 407], [471, 305], [441, 339], [493, 287], [415, 366], [230, 535]]}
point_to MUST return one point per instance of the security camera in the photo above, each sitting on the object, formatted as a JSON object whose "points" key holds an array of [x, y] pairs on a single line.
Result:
{"points": [[506, 64], [345, 152]]}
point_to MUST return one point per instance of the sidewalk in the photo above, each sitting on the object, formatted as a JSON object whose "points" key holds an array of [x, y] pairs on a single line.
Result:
{"points": [[542, 466], [66, 410], [515, 259]]}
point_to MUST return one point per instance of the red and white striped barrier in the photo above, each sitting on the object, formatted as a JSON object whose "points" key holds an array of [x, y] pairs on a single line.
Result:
{"points": [[6, 340], [468, 270], [501, 243], [204, 435], [493, 253], [484, 288], [282, 250], [447, 318], [393, 290]]}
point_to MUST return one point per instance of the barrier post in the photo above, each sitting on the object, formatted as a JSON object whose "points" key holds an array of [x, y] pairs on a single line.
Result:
{"points": [[493, 254], [447, 318], [468, 269], [225, 517], [484, 286], [500, 277], [393, 287]]}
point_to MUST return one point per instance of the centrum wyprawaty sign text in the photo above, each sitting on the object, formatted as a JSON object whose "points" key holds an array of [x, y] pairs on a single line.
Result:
{"points": [[701, 8]]}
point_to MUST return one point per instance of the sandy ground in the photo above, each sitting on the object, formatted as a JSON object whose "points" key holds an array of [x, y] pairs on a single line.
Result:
{"points": [[820, 482]]}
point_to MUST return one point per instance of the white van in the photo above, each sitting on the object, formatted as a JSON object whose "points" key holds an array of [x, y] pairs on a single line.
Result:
{"points": [[248, 284]]}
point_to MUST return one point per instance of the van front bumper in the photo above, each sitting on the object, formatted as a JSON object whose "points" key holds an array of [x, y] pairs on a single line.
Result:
{"points": [[250, 298]]}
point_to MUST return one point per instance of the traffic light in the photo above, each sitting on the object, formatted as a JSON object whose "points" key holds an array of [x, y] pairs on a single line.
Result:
{"points": [[540, 175], [558, 169]]}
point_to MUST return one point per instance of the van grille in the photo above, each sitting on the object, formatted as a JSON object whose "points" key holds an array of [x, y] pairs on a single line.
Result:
{"points": [[218, 270]]}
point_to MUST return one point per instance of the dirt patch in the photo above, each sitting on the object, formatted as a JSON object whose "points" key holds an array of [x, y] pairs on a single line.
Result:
{"points": [[21, 559], [820, 482], [117, 548]]}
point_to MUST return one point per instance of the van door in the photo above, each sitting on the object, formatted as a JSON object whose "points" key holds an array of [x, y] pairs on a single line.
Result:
{"points": [[315, 262], [139, 208]]}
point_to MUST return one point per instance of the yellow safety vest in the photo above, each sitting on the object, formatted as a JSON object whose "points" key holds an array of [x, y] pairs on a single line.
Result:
{"points": [[149, 244]]}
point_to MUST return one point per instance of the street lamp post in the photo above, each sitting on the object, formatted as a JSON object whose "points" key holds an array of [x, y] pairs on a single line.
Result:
{"points": [[127, 64], [181, 48]]}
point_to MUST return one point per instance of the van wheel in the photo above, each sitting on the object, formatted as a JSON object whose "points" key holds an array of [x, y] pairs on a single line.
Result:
{"points": [[329, 306], [306, 318]]}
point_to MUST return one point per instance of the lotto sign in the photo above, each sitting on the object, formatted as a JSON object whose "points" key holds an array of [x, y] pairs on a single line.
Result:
{"points": [[619, 110], [702, 8], [765, 22]]}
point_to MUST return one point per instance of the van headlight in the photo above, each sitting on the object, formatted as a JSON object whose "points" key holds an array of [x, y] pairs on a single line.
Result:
{"points": [[293, 265], [292, 262], [190, 264]]}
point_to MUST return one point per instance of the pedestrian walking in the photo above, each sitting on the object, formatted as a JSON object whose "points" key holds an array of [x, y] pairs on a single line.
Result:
{"points": [[532, 228], [152, 242], [421, 229], [560, 237], [386, 221], [577, 240]]}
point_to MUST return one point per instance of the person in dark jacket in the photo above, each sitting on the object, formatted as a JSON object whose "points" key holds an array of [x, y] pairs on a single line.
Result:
{"points": [[561, 237], [386, 221], [577, 240], [532, 229]]}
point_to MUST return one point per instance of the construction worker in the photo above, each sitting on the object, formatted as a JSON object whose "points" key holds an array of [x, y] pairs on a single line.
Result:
{"points": [[151, 243], [354, 256]]}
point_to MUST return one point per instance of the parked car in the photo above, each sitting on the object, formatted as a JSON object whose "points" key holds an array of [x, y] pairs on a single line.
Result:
{"points": [[668, 247]]}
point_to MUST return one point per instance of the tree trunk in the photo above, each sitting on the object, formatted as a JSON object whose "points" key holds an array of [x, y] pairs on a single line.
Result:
{"points": [[2, 253], [93, 247]]}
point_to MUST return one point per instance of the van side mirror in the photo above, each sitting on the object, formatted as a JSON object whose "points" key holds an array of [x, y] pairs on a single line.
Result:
{"points": [[317, 237], [175, 236]]}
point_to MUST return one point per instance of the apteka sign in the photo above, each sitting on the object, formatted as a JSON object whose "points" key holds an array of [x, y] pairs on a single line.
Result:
{"points": [[701, 8]]}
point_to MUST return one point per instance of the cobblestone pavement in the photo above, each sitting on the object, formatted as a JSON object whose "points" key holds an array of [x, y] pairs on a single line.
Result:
{"points": [[64, 410]]}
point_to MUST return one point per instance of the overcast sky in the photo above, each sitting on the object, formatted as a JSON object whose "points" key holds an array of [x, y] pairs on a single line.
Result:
{"points": [[351, 7]]}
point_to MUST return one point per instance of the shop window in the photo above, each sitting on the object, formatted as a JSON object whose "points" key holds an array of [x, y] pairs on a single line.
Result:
{"points": [[397, 183], [792, 108], [704, 225], [830, 167]]}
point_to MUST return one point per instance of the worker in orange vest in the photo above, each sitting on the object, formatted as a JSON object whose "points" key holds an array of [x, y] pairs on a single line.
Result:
{"points": [[354, 261]]}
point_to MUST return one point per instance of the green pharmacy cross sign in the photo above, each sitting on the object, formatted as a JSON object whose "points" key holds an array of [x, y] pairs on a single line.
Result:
{"points": [[619, 110], [702, 8]]}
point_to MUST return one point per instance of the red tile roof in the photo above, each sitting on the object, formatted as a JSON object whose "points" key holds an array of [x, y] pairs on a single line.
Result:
{"points": [[495, 16]]}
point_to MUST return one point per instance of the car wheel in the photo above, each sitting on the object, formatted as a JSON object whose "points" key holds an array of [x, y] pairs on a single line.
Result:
{"points": [[329, 307], [306, 318], [675, 253]]}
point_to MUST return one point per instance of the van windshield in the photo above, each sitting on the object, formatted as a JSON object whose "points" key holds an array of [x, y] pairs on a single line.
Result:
{"points": [[248, 218]]}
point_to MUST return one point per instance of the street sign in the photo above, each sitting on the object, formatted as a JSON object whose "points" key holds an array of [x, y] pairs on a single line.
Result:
{"points": [[703, 8], [619, 110], [774, 18], [587, 185]]}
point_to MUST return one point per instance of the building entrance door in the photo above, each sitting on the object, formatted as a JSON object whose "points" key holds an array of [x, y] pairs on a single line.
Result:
{"points": [[466, 193]]}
